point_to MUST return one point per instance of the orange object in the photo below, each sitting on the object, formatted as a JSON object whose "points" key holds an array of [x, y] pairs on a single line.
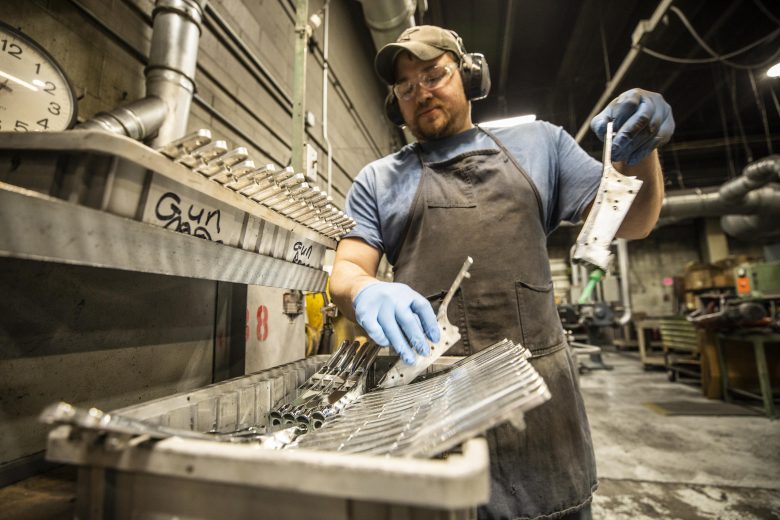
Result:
{"points": [[743, 285]]}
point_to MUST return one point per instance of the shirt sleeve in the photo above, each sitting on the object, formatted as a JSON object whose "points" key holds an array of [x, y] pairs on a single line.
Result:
{"points": [[361, 205], [579, 175]]}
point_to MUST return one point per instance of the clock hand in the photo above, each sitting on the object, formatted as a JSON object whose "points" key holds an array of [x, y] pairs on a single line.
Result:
{"points": [[4, 85]]}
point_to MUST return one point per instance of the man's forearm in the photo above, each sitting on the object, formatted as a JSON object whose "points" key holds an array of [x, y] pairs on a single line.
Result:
{"points": [[643, 215], [346, 281]]}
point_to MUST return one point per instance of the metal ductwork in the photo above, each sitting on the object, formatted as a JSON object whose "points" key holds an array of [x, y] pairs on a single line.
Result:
{"points": [[748, 206], [388, 18], [170, 78]]}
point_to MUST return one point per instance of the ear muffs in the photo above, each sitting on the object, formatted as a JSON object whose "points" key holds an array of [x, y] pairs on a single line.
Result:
{"points": [[475, 74], [392, 110]]}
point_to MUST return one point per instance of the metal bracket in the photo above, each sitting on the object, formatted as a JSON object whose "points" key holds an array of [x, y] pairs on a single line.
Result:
{"points": [[613, 200], [401, 373]]}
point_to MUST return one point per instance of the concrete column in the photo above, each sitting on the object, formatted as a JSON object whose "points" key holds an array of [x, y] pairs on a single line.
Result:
{"points": [[713, 241]]}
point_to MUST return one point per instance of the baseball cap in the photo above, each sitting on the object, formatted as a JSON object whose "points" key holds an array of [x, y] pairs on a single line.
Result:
{"points": [[426, 42]]}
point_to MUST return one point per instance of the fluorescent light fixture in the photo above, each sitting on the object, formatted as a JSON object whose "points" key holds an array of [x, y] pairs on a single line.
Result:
{"points": [[510, 121], [19, 81], [774, 71]]}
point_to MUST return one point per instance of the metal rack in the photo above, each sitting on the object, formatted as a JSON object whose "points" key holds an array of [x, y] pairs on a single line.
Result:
{"points": [[101, 200]]}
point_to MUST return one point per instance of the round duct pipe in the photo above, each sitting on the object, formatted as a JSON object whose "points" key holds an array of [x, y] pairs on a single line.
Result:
{"points": [[755, 175]]}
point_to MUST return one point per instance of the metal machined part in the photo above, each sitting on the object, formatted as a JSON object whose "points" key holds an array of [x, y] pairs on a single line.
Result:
{"points": [[297, 213], [221, 165], [293, 198], [204, 154], [237, 170], [313, 204], [295, 205], [317, 208], [293, 181], [320, 386], [270, 186], [259, 184], [312, 195], [431, 416], [320, 225], [276, 198], [401, 373], [299, 191], [120, 427], [239, 182], [266, 193], [614, 198], [282, 203], [186, 145], [336, 234], [286, 196], [313, 218]]}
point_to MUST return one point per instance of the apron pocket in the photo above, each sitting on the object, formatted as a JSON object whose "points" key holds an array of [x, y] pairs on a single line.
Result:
{"points": [[539, 321], [451, 189]]}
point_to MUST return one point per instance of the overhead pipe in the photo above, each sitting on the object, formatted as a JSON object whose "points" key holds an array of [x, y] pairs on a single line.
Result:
{"points": [[747, 194], [173, 58], [643, 28], [388, 18], [748, 206], [170, 74], [325, 85], [754, 176], [139, 119]]}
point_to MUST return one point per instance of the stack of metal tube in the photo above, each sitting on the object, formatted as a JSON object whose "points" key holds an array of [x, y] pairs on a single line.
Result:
{"points": [[335, 385], [281, 190], [429, 417]]}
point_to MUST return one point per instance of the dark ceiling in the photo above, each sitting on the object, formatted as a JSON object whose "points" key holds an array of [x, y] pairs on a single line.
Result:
{"points": [[561, 53]]}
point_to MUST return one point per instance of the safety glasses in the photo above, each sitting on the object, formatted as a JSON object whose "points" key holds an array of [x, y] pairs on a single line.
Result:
{"points": [[432, 79]]}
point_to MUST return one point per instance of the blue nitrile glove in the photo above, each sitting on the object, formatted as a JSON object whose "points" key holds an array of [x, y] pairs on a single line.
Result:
{"points": [[392, 312], [642, 122]]}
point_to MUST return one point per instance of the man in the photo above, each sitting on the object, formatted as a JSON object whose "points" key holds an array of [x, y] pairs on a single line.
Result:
{"points": [[466, 191]]}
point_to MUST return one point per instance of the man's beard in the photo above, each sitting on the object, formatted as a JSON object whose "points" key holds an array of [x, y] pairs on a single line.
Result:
{"points": [[432, 133]]}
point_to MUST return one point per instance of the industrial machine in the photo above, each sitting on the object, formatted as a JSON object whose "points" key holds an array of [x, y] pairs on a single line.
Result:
{"points": [[758, 280]]}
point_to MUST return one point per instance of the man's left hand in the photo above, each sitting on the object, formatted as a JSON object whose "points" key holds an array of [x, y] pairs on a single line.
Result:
{"points": [[642, 122]]}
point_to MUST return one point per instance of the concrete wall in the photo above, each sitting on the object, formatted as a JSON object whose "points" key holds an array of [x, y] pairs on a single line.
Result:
{"points": [[102, 44], [109, 338]]}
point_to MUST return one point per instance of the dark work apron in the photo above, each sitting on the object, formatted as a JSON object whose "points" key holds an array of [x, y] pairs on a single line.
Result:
{"points": [[484, 205]]}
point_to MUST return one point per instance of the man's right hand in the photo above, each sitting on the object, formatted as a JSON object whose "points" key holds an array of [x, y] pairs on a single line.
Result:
{"points": [[395, 315]]}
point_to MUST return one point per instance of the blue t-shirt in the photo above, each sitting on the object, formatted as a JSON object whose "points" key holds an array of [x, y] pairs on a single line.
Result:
{"points": [[566, 177]]}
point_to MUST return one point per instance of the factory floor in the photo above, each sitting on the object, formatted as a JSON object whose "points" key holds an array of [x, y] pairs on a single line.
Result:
{"points": [[650, 466], [676, 467]]}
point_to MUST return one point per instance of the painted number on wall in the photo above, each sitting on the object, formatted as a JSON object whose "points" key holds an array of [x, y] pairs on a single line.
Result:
{"points": [[261, 325]]}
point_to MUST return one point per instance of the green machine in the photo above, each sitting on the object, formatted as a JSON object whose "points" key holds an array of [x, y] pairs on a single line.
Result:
{"points": [[758, 280]]}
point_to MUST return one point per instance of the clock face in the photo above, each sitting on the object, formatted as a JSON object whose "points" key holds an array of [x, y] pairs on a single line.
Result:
{"points": [[35, 95]]}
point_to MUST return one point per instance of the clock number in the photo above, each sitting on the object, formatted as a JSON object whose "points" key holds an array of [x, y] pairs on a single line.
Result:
{"points": [[21, 126], [37, 68], [12, 49], [44, 123], [54, 108], [49, 88]]}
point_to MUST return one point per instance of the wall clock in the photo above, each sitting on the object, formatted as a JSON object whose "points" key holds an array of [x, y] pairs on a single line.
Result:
{"points": [[35, 93]]}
